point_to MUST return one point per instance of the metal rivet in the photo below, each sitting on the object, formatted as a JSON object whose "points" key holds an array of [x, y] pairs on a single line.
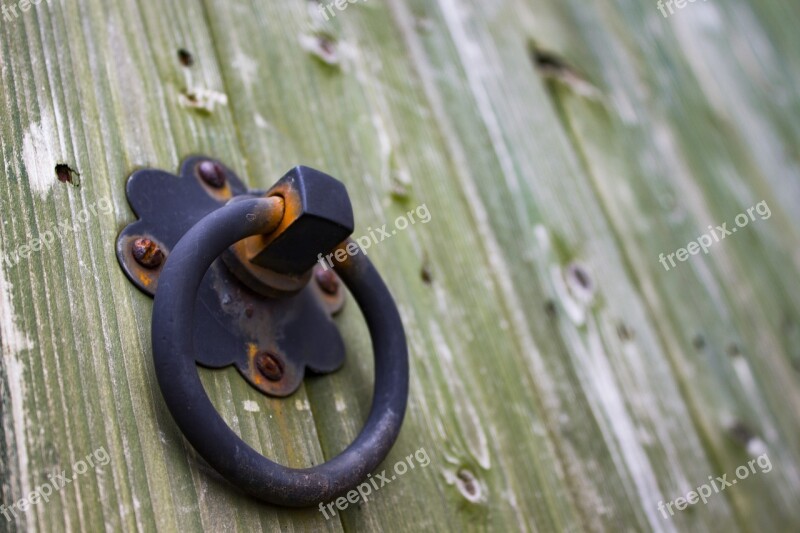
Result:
{"points": [[327, 280], [147, 253], [269, 366], [212, 173]]}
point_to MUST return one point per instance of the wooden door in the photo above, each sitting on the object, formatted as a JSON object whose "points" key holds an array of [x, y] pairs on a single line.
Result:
{"points": [[571, 368]]}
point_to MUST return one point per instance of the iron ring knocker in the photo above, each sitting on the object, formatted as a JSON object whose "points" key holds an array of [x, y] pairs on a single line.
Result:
{"points": [[190, 406]]}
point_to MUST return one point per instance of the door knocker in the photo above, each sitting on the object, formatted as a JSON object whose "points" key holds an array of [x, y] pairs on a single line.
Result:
{"points": [[235, 279]]}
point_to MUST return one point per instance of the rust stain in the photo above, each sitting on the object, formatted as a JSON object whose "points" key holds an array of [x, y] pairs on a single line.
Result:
{"points": [[145, 279]]}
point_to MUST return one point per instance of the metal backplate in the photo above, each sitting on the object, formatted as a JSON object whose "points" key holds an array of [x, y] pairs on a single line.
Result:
{"points": [[270, 340]]}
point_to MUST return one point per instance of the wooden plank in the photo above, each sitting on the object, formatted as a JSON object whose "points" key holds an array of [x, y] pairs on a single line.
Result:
{"points": [[669, 155], [367, 122], [99, 87]]}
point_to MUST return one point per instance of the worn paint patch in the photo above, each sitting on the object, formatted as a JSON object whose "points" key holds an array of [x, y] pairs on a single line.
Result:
{"points": [[302, 405], [261, 122], [40, 155], [251, 406], [15, 341], [339, 403], [247, 67], [202, 99], [466, 412]]}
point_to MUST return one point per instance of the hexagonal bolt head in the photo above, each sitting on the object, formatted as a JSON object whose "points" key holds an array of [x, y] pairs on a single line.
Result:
{"points": [[317, 217]]}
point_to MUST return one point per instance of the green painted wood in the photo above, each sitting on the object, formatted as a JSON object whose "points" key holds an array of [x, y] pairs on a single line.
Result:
{"points": [[101, 90], [561, 378]]}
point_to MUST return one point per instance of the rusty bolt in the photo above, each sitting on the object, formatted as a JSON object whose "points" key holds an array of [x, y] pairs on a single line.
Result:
{"points": [[147, 253], [327, 280], [212, 173], [269, 366]]}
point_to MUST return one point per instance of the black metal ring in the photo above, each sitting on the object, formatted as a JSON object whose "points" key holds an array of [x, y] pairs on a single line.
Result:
{"points": [[193, 411]]}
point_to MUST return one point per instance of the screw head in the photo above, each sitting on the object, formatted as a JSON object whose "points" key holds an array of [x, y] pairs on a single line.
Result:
{"points": [[147, 253], [212, 173], [327, 280], [269, 366]]}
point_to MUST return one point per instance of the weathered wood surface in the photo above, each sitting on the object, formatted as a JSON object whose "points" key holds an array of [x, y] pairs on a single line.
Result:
{"points": [[561, 378]]}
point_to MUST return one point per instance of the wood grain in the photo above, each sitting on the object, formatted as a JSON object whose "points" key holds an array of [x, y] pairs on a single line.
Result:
{"points": [[561, 378]]}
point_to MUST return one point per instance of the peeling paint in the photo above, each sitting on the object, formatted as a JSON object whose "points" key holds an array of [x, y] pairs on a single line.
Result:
{"points": [[202, 99], [339, 403], [247, 67], [469, 420], [302, 405], [15, 341], [251, 406], [40, 156]]}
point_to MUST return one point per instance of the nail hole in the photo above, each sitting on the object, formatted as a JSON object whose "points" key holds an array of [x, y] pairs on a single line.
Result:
{"points": [[321, 46], [185, 57], [741, 433], [550, 308], [624, 333], [545, 60], [425, 274], [699, 342], [401, 186], [552, 66], [65, 174], [581, 276], [580, 282], [468, 485], [549, 63], [326, 45]]}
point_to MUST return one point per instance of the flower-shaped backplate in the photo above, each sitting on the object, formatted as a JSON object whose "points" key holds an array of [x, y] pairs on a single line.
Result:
{"points": [[271, 341]]}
